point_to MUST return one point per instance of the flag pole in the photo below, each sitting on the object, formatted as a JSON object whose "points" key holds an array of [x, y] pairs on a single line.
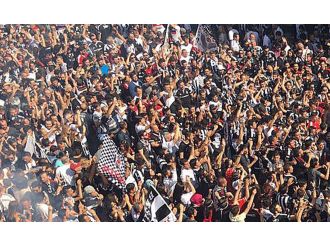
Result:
{"points": [[166, 35], [195, 38]]}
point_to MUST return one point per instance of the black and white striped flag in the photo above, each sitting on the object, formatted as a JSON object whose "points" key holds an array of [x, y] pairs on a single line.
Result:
{"points": [[156, 209]]}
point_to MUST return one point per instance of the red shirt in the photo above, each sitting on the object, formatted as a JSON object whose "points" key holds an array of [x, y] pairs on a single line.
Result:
{"points": [[241, 203], [315, 124], [229, 177]]}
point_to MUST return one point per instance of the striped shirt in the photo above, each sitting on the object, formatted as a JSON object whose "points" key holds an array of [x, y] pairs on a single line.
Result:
{"points": [[285, 201]]}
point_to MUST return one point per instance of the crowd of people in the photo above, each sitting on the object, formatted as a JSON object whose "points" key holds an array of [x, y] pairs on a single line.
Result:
{"points": [[236, 133]]}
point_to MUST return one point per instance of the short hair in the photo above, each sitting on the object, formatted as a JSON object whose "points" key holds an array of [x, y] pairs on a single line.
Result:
{"points": [[190, 211], [130, 187], [43, 172], [235, 210], [76, 151], [66, 188], [314, 162], [27, 154], [300, 193], [308, 143], [287, 167], [81, 217], [39, 197]]}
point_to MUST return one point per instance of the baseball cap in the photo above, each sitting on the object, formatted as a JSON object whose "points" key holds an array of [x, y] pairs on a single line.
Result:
{"points": [[197, 200]]}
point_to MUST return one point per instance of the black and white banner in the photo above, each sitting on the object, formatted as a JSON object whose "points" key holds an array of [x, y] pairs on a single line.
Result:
{"points": [[204, 38], [112, 163], [156, 209]]}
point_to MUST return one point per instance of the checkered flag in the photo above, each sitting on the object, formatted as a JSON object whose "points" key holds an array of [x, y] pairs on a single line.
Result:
{"points": [[111, 163]]}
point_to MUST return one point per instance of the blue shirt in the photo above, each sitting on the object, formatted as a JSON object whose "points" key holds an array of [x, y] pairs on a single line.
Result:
{"points": [[105, 69]]}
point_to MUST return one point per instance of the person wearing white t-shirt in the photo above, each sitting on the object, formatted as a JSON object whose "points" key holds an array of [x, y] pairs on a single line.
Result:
{"points": [[167, 95], [286, 45], [186, 46], [142, 125], [43, 208], [234, 44], [5, 199], [138, 38], [187, 172], [235, 215], [129, 178], [189, 191], [170, 179], [231, 33], [185, 56], [29, 163], [66, 174], [49, 130], [171, 143]]}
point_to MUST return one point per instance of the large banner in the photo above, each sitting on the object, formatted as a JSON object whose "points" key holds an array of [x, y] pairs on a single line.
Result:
{"points": [[205, 39]]}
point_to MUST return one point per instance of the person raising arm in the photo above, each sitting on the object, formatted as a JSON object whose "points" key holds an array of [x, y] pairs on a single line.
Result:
{"points": [[235, 215]]}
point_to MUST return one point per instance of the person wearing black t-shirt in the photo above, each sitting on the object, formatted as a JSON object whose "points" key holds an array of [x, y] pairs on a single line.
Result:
{"points": [[184, 94], [184, 147], [156, 139]]}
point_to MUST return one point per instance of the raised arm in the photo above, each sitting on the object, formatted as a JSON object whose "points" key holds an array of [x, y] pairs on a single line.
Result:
{"points": [[250, 203], [326, 175], [193, 190], [177, 133], [237, 193], [79, 189], [220, 155]]}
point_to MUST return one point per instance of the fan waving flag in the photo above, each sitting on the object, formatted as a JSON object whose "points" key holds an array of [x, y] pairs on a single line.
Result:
{"points": [[204, 38], [167, 39], [111, 163], [156, 209]]}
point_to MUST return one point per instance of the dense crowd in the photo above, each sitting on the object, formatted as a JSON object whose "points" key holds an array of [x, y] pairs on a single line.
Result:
{"points": [[236, 133]]}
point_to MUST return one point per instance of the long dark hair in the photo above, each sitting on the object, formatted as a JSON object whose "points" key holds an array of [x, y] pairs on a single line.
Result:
{"points": [[12, 210], [178, 190]]}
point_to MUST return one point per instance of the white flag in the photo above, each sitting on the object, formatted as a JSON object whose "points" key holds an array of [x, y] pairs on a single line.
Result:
{"points": [[156, 209], [166, 39], [30, 145]]}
